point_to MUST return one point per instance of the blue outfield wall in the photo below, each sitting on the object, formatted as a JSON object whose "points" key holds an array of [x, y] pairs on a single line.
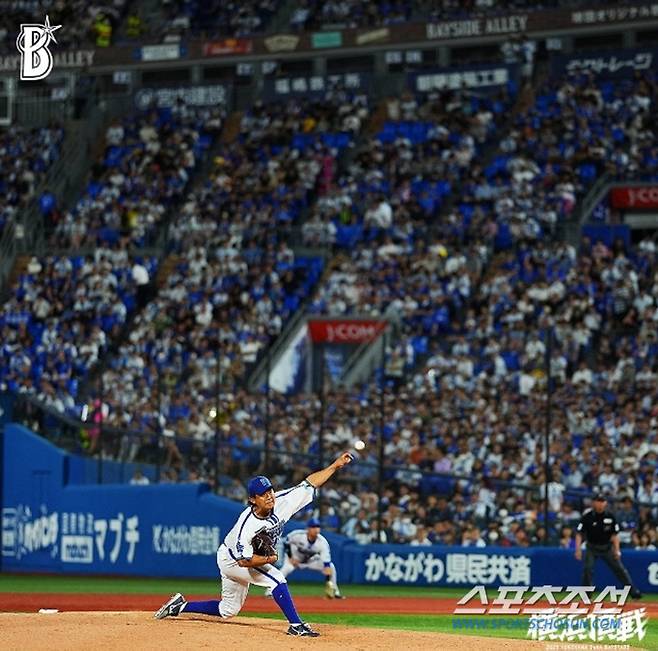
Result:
{"points": [[52, 525]]}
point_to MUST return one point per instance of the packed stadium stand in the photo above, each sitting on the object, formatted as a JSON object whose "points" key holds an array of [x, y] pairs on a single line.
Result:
{"points": [[444, 212], [86, 23], [215, 18], [26, 155], [143, 170]]}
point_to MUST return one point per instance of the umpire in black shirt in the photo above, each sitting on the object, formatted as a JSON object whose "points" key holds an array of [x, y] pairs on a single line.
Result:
{"points": [[599, 528]]}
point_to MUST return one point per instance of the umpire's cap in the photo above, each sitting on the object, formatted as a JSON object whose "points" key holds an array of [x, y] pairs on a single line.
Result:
{"points": [[258, 485], [313, 522], [600, 497]]}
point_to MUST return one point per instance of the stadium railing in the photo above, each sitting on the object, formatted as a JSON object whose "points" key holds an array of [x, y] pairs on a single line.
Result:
{"points": [[107, 455]]}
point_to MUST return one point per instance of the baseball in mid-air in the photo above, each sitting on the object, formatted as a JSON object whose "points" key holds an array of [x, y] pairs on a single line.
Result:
{"points": [[359, 445]]}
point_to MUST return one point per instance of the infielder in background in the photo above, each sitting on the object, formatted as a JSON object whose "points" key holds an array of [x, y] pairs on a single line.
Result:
{"points": [[309, 549], [248, 552]]}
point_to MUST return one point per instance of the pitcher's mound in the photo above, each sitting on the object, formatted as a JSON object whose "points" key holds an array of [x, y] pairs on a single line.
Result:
{"points": [[135, 631]]}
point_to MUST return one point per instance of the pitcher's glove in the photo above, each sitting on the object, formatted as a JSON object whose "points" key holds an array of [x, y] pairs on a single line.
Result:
{"points": [[329, 589], [263, 544]]}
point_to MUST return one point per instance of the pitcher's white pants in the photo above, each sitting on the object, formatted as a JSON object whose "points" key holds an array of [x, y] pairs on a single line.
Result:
{"points": [[236, 581]]}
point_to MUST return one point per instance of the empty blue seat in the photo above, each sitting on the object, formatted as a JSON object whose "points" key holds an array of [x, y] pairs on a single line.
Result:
{"points": [[587, 172], [420, 345], [113, 156], [291, 303], [94, 189]]}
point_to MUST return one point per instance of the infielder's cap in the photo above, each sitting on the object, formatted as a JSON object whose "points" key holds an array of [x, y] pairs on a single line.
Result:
{"points": [[313, 522], [600, 497], [258, 485]]}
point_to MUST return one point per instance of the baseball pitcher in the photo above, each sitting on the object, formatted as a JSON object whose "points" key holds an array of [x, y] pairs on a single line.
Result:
{"points": [[309, 549], [248, 554]]}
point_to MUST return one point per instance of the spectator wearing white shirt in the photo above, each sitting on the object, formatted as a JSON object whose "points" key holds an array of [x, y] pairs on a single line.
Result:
{"points": [[420, 538], [379, 215], [472, 538]]}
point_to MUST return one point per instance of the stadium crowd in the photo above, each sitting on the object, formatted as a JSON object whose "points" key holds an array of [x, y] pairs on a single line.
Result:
{"points": [[60, 318], [356, 14], [477, 288], [84, 22], [577, 129], [25, 156], [213, 18], [144, 170], [401, 178], [236, 282], [64, 311]]}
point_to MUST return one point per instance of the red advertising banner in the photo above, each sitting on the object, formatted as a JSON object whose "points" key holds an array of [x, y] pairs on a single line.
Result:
{"points": [[228, 46], [635, 197], [345, 331]]}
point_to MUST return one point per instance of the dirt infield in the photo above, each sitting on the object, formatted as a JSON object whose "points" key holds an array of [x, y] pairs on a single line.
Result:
{"points": [[93, 621], [32, 602], [109, 631]]}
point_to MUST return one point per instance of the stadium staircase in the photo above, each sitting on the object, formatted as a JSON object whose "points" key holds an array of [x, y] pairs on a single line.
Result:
{"points": [[231, 129], [280, 22], [524, 100], [377, 120], [167, 262], [151, 13], [166, 269], [19, 267], [64, 179], [257, 377]]}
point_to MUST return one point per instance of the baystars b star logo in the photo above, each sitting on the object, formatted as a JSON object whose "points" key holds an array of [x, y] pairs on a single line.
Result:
{"points": [[32, 42]]}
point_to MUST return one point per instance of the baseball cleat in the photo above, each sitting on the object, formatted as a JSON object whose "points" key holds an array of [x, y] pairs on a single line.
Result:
{"points": [[636, 594], [338, 595], [172, 608], [302, 630]]}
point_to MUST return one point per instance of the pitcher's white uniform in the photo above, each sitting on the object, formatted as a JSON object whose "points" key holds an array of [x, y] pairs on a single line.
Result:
{"points": [[237, 546]]}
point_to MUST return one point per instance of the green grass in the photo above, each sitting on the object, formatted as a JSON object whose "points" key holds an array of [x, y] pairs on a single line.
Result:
{"points": [[106, 585], [444, 624]]}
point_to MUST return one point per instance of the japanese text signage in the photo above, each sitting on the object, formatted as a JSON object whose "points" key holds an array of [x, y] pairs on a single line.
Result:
{"points": [[483, 77], [615, 14], [635, 198], [227, 46], [622, 63], [345, 331], [212, 95], [164, 52], [446, 569], [71, 536], [289, 86]]}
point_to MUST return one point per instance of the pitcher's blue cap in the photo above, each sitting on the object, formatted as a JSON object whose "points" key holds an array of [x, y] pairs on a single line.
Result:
{"points": [[313, 522], [258, 485]]}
